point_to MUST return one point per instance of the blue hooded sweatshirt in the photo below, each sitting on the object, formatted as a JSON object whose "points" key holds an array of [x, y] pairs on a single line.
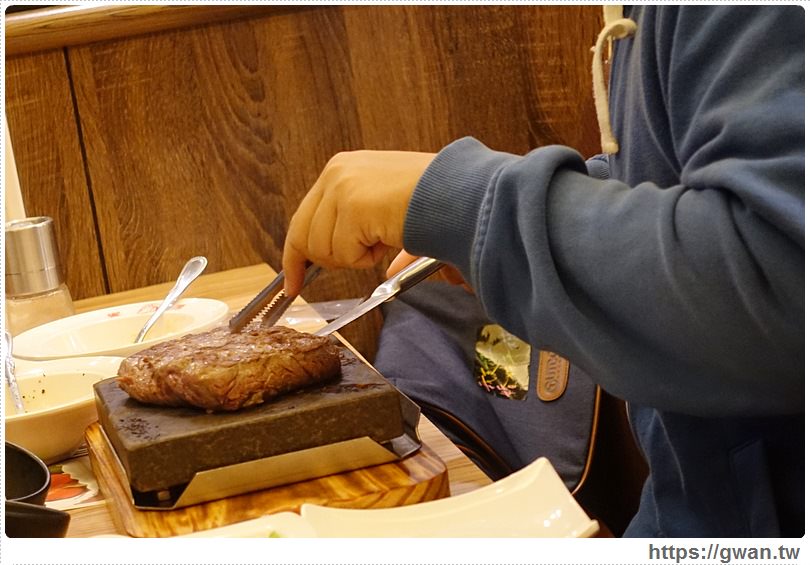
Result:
{"points": [[678, 282]]}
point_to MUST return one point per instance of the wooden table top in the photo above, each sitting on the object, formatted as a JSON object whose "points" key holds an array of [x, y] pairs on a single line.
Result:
{"points": [[236, 287]]}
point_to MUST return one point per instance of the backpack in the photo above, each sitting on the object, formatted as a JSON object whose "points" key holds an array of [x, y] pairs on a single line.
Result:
{"points": [[501, 401]]}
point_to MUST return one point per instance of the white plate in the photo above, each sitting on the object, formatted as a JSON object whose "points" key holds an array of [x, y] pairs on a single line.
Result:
{"points": [[532, 502], [112, 331]]}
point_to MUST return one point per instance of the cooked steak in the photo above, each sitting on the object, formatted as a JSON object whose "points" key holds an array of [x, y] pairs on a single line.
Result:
{"points": [[219, 370]]}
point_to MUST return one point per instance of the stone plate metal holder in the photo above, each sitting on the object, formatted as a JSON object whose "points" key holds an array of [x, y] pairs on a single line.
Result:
{"points": [[259, 474]]}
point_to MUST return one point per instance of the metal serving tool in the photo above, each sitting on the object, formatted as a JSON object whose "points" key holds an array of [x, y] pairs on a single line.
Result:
{"points": [[11, 378], [270, 304], [402, 281], [192, 269]]}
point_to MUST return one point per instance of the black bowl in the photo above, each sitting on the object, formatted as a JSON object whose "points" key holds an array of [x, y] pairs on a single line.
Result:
{"points": [[27, 477], [27, 482]]}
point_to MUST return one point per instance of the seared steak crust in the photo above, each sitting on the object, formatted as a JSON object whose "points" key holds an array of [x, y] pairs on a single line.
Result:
{"points": [[219, 370]]}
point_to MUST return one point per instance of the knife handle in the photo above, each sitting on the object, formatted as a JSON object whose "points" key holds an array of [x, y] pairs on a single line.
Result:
{"points": [[414, 273]]}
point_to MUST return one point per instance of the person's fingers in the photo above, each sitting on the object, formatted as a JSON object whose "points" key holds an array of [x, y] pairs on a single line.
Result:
{"points": [[378, 253], [354, 213], [295, 257], [294, 264], [453, 276], [402, 260], [321, 231], [448, 273], [355, 238], [298, 230]]}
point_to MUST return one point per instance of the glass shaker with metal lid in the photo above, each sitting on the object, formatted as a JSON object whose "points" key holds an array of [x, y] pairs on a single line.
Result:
{"points": [[36, 292]]}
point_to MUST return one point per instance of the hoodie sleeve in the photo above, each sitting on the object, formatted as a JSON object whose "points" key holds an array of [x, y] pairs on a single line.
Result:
{"points": [[680, 286]]}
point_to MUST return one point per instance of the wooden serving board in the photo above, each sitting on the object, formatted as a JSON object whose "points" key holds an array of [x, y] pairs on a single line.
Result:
{"points": [[417, 478]]}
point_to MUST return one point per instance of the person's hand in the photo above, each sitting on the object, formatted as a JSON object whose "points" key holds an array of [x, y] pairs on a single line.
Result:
{"points": [[354, 212], [449, 273]]}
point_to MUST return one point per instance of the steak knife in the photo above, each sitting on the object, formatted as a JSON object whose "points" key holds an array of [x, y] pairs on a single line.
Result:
{"points": [[402, 281]]}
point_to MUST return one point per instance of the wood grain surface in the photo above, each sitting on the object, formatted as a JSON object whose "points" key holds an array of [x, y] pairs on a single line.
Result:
{"points": [[417, 478], [204, 140], [515, 77], [50, 165], [50, 27]]}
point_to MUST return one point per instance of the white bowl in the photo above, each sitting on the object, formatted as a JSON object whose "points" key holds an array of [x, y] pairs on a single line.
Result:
{"points": [[112, 331], [59, 402]]}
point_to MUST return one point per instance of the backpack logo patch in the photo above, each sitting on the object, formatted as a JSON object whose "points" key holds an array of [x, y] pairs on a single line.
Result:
{"points": [[552, 376]]}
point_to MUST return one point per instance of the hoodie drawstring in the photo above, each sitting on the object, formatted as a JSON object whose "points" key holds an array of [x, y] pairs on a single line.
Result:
{"points": [[614, 29]]}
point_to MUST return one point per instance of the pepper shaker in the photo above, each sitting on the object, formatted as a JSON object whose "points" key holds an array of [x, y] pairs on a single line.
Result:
{"points": [[36, 292]]}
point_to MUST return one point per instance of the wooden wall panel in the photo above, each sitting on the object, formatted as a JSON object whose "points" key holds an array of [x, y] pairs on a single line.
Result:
{"points": [[49, 162], [515, 77], [39, 28], [204, 140]]}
